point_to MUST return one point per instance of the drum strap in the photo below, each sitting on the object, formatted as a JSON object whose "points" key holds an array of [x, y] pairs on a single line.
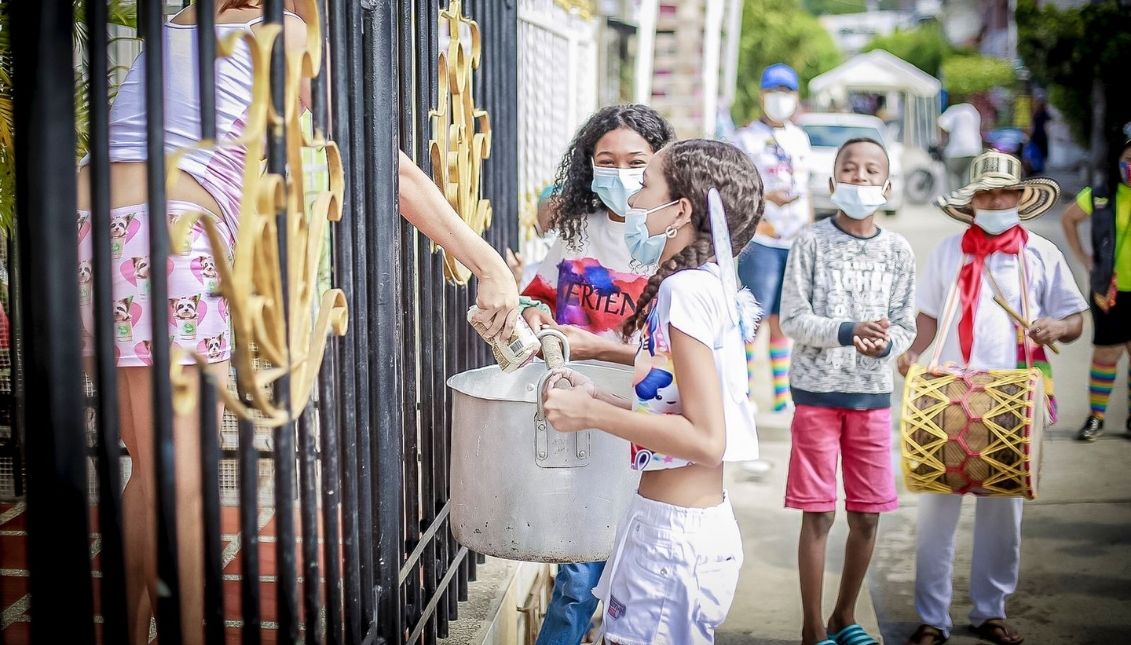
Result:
{"points": [[1022, 274], [950, 309]]}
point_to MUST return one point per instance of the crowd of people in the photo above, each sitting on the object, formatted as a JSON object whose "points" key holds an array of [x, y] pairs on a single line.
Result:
{"points": [[643, 231]]}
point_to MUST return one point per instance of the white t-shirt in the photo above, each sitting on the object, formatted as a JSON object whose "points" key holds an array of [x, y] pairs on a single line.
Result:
{"points": [[1052, 292], [964, 125], [692, 301], [781, 156], [594, 287]]}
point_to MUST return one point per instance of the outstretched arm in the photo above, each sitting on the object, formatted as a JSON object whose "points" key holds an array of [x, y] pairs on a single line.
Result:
{"points": [[424, 207]]}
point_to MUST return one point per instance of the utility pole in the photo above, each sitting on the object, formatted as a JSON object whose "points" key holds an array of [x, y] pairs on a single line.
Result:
{"points": [[1098, 143]]}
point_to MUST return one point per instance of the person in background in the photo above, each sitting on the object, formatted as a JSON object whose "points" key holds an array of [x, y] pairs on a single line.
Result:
{"points": [[1110, 271], [1038, 147], [779, 150], [848, 301], [963, 127], [970, 267]]}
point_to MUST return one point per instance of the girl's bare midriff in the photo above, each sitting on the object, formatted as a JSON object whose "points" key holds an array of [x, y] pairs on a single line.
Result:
{"points": [[692, 486], [128, 188]]}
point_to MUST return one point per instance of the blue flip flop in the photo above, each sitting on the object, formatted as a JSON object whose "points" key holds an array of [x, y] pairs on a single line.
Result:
{"points": [[854, 634], [827, 641]]}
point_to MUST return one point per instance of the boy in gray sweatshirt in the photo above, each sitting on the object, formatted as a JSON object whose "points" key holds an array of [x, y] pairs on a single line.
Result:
{"points": [[848, 303]]}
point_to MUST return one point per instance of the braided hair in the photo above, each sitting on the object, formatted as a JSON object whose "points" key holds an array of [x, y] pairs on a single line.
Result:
{"points": [[691, 168], [575, 199]]}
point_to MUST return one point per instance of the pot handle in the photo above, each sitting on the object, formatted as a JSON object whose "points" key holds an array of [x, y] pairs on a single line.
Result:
{"points": [[555, 348]]}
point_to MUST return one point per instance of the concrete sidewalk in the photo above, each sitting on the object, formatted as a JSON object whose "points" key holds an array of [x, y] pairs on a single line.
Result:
{"points": [[767, 606]]}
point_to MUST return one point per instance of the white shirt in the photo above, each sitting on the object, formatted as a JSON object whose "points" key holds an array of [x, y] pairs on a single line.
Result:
{"points": [[1052, 293], [781, 156], [594, 287], [692, 301], [964, 125]]}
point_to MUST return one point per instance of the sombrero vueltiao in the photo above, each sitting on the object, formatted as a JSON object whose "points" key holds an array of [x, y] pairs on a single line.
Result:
{"points": [[992, 170]]}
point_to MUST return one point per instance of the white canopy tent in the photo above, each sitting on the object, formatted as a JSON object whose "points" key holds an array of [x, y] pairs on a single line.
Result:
{"points": [[911, 94]]}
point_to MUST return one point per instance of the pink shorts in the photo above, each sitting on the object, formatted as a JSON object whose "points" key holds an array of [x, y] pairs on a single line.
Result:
{"points": [[198, 316], [862, 441]]}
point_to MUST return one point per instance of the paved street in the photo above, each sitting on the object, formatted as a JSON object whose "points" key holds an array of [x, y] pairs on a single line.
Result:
{"points": [[1076, 564]]}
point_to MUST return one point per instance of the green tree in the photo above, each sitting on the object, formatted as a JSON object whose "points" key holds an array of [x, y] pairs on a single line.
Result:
{"points": [[924, 47], [1067, 49], [822, 7], [968, 74], [122, 13], [778, 31]]}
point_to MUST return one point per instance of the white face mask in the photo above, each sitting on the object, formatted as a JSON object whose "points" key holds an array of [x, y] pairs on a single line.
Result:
{"points": [[615, 185], [996, 222], [780, 105], [858, 202]]}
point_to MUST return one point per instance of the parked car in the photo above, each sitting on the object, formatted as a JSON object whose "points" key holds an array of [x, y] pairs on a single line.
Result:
{"points": [[827, 131]]}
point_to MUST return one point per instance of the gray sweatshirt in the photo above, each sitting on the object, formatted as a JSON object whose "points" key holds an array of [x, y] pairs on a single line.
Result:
{"points": [[834, 280]]}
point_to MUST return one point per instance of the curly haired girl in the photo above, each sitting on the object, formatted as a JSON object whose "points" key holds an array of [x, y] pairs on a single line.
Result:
{"points": [[588, 283], [678, 552]]}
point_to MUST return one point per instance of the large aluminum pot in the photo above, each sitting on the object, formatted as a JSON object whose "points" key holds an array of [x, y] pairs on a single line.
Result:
{"points": [[521, 490]]}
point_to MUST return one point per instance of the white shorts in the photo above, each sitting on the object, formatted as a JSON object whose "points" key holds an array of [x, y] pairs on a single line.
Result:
{"points": [[672, 575]]}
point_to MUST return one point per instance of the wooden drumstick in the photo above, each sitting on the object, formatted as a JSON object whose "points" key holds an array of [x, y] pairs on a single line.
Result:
{"points": [[1021, 321]]}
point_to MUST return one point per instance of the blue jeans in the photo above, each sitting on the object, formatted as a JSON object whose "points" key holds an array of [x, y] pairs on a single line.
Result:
{"points": [[761, 269], [572, 605]]}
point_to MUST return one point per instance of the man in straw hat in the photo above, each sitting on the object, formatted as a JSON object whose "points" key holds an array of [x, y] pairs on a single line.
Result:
{"points": [[979, 264]]}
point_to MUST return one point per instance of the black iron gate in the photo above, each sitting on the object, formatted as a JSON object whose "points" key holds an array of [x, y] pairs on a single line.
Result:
{"points": [[361, 472]]}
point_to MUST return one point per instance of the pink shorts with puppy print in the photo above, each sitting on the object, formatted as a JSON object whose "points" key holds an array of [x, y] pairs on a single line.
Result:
{"points": [[198, 316]]}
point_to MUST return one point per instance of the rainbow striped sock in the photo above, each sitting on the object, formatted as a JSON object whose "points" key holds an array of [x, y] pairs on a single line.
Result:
{"points": [[1101, 378], [779, 367]]}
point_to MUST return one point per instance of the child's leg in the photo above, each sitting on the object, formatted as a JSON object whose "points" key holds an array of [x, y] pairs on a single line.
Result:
{"points": [[869, 489], [572, 604], [811, 566], [811, 487], [1101, 378], [857, 556], [780, 349], [139, 537]]}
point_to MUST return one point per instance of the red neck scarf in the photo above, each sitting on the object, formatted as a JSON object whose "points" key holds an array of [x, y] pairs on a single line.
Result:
{"points": [[980, 245]]}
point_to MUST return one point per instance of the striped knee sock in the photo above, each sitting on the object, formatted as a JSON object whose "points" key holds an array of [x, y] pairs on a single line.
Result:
{"points": [[779, 367], [1100, 380]]}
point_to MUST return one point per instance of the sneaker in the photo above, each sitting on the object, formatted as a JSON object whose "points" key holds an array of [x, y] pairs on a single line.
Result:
{"points": [[757, 469], [1093, 428]]}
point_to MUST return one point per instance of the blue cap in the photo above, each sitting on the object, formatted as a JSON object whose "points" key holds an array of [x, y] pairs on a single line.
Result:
{"points": [[779, 76]]}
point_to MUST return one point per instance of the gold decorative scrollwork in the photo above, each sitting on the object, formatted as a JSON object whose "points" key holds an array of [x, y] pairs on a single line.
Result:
{"points": [[461, 132], [583, 8], [293, 338]]}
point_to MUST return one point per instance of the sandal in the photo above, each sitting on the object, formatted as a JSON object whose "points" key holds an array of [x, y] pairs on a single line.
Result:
{"points": [[927, 631], [827, 641], [997, 631], [853, 634]]}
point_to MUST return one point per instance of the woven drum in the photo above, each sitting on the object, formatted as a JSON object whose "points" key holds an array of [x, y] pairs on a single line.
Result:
{"points": [[969, 431]]}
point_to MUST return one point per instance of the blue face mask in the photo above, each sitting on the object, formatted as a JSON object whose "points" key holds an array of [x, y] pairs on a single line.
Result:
{"points": [[615, 185], [645, 249]]}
